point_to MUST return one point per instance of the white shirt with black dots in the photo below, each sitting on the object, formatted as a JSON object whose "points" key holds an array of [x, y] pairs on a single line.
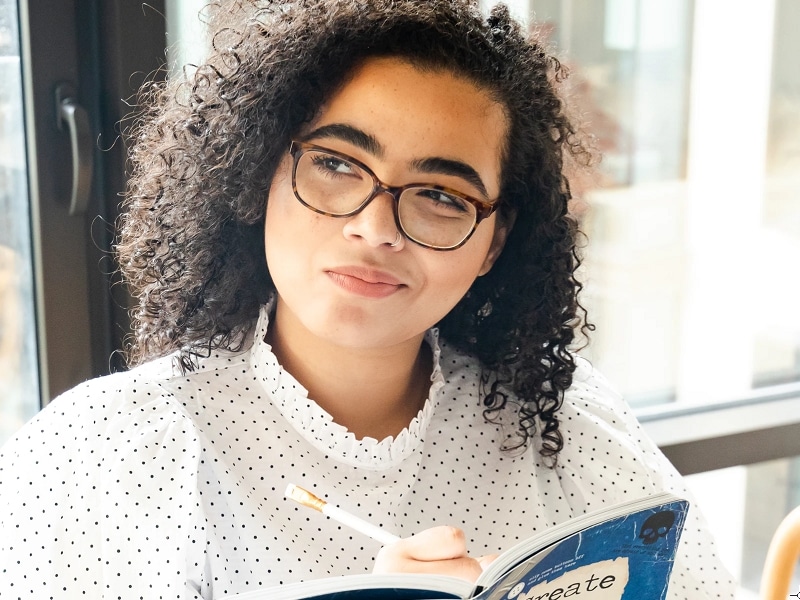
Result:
{"points": [[157, 484]]}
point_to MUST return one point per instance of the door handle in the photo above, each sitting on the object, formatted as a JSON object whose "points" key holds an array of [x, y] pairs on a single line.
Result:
{"points": [[75, 119]]}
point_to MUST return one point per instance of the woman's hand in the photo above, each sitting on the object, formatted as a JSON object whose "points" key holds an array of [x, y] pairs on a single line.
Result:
{"points": [[439, 550]]}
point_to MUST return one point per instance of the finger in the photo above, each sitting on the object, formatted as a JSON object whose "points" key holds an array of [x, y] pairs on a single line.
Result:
{"points": [[485, 561], [434, 544], [439, 550], [463, 568]]}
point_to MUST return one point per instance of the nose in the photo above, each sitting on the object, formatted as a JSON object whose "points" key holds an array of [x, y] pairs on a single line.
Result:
{"points": [[376, 223]]}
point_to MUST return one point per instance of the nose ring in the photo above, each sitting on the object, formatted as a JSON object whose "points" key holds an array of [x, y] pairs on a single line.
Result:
{"points": [[397, 241]]}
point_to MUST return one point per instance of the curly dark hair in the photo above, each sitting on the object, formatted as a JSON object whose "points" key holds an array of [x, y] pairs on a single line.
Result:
{"points": [[205, 150]]}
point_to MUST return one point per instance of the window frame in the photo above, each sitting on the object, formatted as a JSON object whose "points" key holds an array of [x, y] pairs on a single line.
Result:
{"points": [[761, 426], [94, 46]]}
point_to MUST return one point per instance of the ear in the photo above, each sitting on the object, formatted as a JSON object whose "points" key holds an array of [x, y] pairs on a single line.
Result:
{"points": [[502, 228]]}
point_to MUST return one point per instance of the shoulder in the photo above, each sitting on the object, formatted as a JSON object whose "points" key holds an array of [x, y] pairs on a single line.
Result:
{"points": [[591, 399], [159, 383], [131, 428], [97, 402], [594, 410], [607, 455], [116, 454], [123, 409]]}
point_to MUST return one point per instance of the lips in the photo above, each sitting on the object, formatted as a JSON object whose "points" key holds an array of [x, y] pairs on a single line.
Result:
{"points": [[362, 281]]}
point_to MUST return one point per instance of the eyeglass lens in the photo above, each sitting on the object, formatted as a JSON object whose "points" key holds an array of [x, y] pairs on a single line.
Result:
{"points": [[335, 186]]}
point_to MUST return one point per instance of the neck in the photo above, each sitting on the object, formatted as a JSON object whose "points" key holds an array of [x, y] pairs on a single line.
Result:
{"points": [[373, 392]]}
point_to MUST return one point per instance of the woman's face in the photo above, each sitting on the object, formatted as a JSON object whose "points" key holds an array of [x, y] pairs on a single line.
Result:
{"points": [[341, 279]]}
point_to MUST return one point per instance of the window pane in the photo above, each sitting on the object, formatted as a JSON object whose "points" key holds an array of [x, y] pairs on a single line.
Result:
{"points": [[777, 342], [694, 225], [19, 381]]}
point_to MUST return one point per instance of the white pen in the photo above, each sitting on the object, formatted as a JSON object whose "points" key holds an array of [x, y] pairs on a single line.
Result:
{"points": [[306, 498]]}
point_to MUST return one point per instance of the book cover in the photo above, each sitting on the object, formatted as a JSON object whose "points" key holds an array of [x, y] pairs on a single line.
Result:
{"points": [[628, 557]]}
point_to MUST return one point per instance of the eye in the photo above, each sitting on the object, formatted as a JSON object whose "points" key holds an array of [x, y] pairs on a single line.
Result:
{"points": [[334, 166], [444, 200]]}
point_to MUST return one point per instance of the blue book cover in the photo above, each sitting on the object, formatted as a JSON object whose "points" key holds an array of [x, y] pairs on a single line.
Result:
{"points": [[628, 557]]}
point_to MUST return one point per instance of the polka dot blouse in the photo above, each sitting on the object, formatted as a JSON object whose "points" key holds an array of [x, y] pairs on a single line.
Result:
{"points": [[157, 484]]}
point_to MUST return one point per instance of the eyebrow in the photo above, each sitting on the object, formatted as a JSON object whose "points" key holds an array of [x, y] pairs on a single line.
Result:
{"points": [[347, 133], [369, 143], [447, 166]]}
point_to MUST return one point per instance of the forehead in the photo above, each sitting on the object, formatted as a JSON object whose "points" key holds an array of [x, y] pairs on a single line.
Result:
{"points": [[416, 113]]}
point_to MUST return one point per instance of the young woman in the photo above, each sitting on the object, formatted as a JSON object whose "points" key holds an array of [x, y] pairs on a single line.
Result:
{"points": [[349, 238]]}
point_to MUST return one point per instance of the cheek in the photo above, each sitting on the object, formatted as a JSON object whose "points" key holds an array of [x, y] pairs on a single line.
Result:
{"points": [[456, 270], [294, 236], [284, 211], [286, 217], [447, 282]]}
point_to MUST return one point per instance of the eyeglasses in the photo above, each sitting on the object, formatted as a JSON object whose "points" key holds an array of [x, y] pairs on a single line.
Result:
{"points": [[337, 185]]}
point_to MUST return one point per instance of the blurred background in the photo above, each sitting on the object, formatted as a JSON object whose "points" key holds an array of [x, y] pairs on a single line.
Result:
{"points": [[692, 218]]}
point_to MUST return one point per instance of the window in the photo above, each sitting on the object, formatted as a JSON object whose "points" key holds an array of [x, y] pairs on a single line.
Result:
{"points": [[694, 227], [694, 237], [61, 320]]}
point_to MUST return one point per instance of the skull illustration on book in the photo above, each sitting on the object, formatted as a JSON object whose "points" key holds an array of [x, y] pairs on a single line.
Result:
{"points": [[656, 526]]}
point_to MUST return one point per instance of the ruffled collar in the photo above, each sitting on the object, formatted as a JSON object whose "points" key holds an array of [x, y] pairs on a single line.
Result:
{"points": [[317, 426]]}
